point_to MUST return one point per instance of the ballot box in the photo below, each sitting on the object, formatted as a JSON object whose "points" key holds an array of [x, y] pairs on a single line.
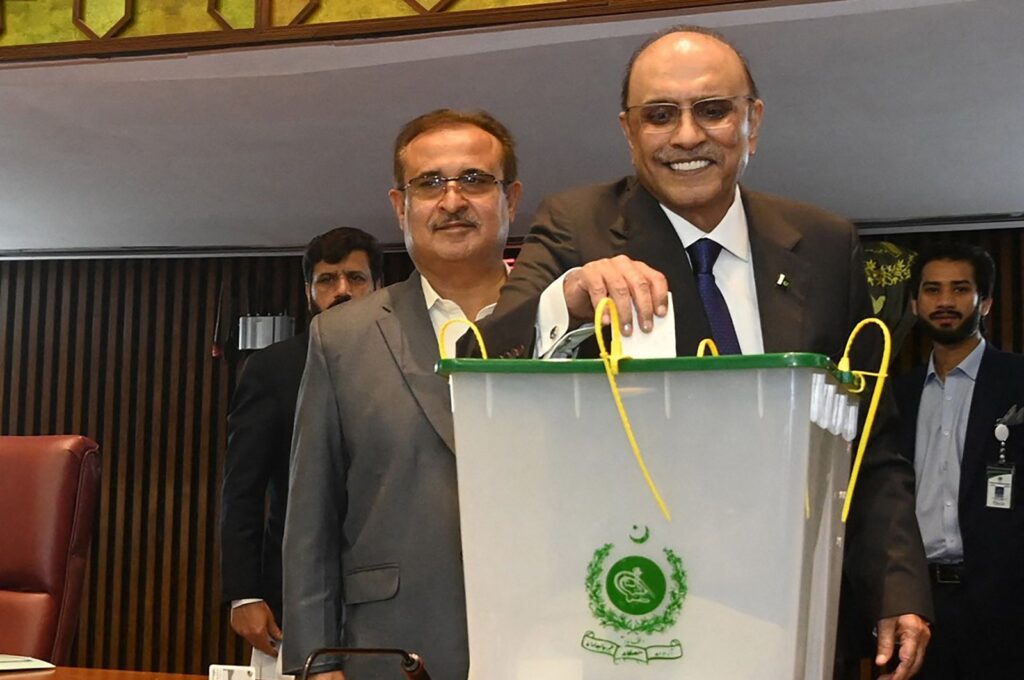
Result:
{"points": [[573, 570]]}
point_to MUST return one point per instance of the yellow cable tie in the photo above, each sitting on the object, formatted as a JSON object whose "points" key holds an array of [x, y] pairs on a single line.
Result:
{"points": [[472, 326], [876, 396], [616, 354], [705, 344], [611, 368]]}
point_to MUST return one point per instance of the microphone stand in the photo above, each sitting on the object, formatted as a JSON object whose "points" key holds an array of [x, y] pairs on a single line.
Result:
{"points": [[411, 663]]}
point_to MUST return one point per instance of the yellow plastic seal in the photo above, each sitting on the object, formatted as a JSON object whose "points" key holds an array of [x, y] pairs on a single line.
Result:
{"points": [[705, 345], [472, 327], [859, 384], [611, 368]]}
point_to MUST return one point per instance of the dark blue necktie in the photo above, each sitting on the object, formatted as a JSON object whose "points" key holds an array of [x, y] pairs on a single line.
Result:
{"points": [[703, 254]]}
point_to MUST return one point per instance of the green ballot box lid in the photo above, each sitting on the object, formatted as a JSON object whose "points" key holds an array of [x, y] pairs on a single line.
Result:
{"points": [[732, 362]]}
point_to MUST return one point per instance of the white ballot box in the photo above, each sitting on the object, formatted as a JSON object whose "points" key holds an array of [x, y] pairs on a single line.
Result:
{"points": [[573, 571]]}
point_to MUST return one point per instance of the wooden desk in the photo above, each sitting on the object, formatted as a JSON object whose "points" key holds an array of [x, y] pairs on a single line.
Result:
{"points": [[65, 673]]}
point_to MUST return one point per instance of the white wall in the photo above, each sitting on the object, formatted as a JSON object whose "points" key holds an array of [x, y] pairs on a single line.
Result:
{"points": [[875, 109]]}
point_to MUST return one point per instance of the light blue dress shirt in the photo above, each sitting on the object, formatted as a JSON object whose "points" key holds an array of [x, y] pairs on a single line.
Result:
{"points": [[939, 450]]}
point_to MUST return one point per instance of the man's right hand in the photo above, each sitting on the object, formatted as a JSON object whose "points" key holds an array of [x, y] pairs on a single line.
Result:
{"points": [[255, 622], [627, 282]]}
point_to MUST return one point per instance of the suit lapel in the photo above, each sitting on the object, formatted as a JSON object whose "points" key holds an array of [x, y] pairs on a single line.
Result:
{"points": [[647, 235], [410, 337], [772, 247], [980, 437]]}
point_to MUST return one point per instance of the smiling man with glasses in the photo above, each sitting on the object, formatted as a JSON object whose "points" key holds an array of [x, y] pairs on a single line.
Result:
{"points": [[756, 272], [372, 549]]}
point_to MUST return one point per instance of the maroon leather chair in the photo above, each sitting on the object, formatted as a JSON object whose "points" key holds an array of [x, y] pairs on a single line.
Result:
{"points": [[48, 493]]}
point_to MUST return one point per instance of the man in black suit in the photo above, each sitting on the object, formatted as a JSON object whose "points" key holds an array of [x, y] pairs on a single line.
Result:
{"points": [[755, 272], [972, 522], [337, 266]]}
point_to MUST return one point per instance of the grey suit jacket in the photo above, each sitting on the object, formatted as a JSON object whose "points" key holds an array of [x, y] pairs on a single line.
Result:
{"points": [[372, 554], [820, 255]]}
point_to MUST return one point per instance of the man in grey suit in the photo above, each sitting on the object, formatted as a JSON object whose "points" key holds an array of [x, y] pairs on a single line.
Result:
{"points": [[372, 554], [755, 272]]}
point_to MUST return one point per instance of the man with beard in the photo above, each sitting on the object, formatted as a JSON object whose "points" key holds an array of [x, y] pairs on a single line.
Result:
{"points": [[337, 266], [758, 273], [969, 503]]}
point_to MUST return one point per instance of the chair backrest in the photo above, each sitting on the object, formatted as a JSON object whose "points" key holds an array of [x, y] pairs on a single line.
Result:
{"points": [[48, 492]]}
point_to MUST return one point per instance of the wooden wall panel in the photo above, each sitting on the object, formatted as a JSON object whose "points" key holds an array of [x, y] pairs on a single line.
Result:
{"points": [[120, 351]]}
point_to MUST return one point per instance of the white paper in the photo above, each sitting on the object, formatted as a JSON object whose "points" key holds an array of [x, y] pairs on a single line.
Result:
{"points": [[660, 343], [15, 662], [228, 672], [268, 667]]}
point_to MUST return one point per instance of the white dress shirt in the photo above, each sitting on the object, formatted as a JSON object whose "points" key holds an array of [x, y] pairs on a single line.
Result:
{"points": [[733, 270], [442, 311]]}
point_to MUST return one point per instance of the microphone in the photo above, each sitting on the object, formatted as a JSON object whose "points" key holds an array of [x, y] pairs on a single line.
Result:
{"points": [[411, 663]]}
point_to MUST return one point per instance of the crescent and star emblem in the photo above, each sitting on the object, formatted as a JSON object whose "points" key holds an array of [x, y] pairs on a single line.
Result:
{"points": [[641, 538]]}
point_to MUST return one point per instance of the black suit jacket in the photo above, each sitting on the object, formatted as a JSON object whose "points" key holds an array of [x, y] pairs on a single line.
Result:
{"points": [[256, 472], [819, 254], [993, 539]]}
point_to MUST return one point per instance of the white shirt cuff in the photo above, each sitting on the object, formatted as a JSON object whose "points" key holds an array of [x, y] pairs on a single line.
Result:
{"points": [[247, 600], [552, 316]]}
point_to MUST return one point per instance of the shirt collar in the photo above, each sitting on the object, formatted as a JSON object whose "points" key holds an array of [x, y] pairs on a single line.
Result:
{"points": [[429, 294], [433, 299], [730, 233], [969, 366]]}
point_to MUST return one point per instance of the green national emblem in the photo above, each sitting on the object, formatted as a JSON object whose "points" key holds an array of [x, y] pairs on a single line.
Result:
{"points": [[636, 585], [635, 595]]}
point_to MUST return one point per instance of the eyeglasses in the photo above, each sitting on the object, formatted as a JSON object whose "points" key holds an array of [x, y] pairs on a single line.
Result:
{"points": [[430, 187], [710, 114]]}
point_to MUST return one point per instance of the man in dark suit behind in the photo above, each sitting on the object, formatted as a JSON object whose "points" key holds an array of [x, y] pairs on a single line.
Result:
{"points": [[973, 534], [337, 266], [767, 274]]}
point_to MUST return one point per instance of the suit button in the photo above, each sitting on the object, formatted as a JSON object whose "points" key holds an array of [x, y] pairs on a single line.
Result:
{"points": [[554, 333]]}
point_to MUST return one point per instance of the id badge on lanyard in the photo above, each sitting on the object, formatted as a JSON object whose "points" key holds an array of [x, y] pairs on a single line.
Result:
{"points": [[999, 491]]}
